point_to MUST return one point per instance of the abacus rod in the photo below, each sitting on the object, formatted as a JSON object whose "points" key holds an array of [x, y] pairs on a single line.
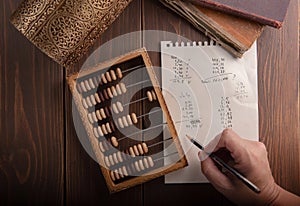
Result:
{"points": [[150, 128], [135, 84], [124, 105], [157, 143], [168, 155], [133, 68], [158, 110]]}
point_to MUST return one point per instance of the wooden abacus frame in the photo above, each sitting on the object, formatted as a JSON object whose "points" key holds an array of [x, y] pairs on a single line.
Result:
{"points": [[112, 186]]}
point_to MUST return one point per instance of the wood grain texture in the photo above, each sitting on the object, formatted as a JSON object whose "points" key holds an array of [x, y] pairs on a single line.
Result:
{"points": [[156, 192], [31, 110], [43, 162], [278, 80], [84, 181], [278, 104]]}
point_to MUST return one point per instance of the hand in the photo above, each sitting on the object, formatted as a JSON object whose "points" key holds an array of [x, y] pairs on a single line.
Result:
{"points": [[250, 158]]}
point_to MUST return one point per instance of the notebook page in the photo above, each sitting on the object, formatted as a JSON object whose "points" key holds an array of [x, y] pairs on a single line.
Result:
{"points": [[207, 90]]}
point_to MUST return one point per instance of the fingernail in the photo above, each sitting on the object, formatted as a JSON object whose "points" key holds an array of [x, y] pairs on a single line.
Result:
{"points": [[202, 155]]}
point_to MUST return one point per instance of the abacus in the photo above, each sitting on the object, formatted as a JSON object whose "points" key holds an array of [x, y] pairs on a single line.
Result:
{"points": [[121, 107]]}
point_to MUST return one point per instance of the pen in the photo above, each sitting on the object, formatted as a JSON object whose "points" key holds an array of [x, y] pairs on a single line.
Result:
{"points": [[230, 169]]}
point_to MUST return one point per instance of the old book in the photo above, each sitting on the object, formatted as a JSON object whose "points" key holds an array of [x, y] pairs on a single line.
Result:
{"points": [[267, 12], [64, 30], [236, 35]]}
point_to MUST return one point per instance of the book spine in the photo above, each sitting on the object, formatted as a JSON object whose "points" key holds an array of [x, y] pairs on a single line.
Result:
{"points": [[241, 13]]}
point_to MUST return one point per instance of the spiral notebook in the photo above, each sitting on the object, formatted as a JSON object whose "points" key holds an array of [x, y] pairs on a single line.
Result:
{"points": [[207, 90]]}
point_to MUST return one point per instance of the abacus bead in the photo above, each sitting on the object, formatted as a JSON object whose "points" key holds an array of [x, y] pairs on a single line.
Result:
{"points": [[153, 95], [102, 113], [149, 95], [98, 77], [113, 75], [103, 79], [108, 127], [129, 119], [136, 164], [78, 88], [119, 155], [141, 165], [114, 141], [131, 152], [85, 104], [107, 163], [151, 163], [134, 118], [96, 82], [96, 132], [118, 88], [83, 86], [125, 171], [145, 148], [98, 114], [146, 163], [114, 91], [101, 147], [115, 157], [88, 100], [93, 100], [112, 175], [100, 132], [110, 93], [105, 94], [130, 169], [110, 157], [123, 87], [90, 118], [107, 75], [120, 106], [121, 173], [106, 146], [92, 83], [87, 85], [140, 148], [112, 126], [94, 117], [120, 122], [125, 121], [104, 129], [97, 98], [106, 111], [119, 73], [117, 175], [101, 96], [115, 109], [135, 149]]}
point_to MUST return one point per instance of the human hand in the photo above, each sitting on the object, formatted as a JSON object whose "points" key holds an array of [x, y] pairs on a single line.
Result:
{"points": [[250, 158]]}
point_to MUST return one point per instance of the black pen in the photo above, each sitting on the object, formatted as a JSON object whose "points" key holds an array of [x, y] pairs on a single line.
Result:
{"points": [[230, 169]]}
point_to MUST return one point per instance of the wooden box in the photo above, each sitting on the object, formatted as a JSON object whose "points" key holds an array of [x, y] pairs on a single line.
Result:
{"points": [[122, 107]]}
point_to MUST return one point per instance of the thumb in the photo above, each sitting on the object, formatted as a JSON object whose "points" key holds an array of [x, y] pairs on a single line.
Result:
{"points": [[219, 180]]}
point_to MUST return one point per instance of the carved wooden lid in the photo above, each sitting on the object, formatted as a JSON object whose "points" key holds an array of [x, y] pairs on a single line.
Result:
{"points": [[65, 29]]}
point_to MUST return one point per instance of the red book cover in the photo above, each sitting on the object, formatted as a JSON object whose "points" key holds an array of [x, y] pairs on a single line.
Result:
{"points": [[267, 12]]}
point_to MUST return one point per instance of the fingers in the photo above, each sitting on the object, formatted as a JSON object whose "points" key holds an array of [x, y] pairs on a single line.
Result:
{"points": [[214, 175], [230, 140]]}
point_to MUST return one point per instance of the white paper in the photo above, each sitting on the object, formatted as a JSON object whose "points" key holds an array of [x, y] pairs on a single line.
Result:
{"points": [[207, 90]]}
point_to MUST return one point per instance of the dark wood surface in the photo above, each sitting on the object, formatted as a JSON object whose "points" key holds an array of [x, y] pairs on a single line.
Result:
{"points": [[43, 162]]}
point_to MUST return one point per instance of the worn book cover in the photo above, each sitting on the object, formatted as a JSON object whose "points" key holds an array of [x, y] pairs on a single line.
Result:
{"points": [[267, 12], [64, 30], [236, 35]]}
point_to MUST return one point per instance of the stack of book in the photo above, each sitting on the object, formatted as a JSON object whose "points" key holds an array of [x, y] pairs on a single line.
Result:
{"points": [[233, 24]]}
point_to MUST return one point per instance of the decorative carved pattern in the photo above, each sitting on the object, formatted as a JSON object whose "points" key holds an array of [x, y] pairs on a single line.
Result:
{"points": [[65, 29]]}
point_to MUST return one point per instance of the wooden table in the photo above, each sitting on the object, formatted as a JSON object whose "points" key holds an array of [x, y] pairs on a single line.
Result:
{"points": [[41, 158]]}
